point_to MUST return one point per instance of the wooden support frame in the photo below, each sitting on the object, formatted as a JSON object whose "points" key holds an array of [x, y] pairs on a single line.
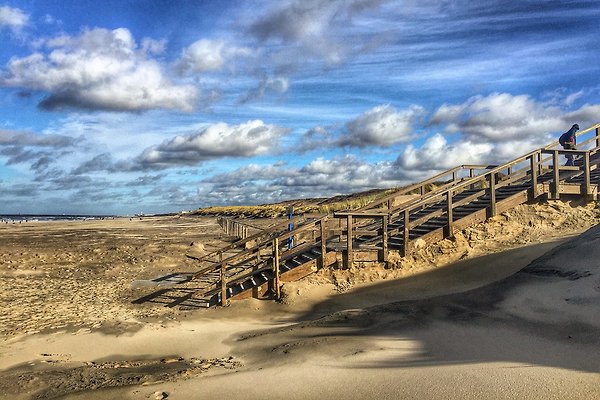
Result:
{"points": [[534, 175], [349, 249], [587, 185], [276, 277], [450, 216], [323, 241], [384, 238], [492, 189], [555, 191], [223, 276], [406, 232]]}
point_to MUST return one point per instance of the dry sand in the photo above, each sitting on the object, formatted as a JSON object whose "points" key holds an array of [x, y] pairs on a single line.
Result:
{"points": [[507, 309]]}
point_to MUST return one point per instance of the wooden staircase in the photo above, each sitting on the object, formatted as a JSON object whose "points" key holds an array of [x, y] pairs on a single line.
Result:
{"points": [[258, 264]]}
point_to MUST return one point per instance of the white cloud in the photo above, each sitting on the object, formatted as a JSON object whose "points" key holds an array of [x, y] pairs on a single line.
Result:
{"points": [[99, 69], [437, 154], [381, 126], [502, 117], [319, 178], [12, 18], [249, 139], [209, 55]]}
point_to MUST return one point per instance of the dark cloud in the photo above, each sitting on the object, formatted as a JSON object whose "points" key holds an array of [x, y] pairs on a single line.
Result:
{"points": [[17, 138]]}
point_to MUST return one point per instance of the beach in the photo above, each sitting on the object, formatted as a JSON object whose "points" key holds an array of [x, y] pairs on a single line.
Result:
{"points": [[506, 309]]}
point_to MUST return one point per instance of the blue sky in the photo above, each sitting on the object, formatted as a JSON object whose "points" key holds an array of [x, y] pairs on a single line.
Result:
{"points": [[121, 107]]}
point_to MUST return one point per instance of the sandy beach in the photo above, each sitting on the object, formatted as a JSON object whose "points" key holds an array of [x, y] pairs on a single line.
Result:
{"points": [[507, 309]]}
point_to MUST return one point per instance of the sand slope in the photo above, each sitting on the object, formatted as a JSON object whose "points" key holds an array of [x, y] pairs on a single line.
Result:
{"points": [[522, 323]]}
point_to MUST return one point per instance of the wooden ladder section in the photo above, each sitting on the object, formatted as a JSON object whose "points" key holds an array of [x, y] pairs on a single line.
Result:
{"points": [[415, 216]]}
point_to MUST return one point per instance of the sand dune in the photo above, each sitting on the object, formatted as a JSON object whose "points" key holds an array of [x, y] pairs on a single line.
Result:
{"points": [[518, 323]]}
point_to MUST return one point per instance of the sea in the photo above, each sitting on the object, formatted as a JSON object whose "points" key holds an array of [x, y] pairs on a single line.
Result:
{"points": [[20, 218]]}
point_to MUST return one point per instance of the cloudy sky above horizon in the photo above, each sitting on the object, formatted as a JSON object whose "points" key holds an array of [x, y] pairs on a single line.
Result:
{"points": [[128, 106]]}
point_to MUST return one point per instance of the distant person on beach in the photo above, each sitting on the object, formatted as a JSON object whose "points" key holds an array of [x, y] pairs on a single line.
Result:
{"points": [[567, 141]]}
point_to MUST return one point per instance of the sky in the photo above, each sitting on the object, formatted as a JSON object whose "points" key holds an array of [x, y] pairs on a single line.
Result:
{"points": [[157, 106]]}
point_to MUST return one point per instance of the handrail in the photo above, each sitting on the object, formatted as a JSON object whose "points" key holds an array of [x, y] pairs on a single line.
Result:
{"points": [[418, 185], [239, 243], [274, 237]]}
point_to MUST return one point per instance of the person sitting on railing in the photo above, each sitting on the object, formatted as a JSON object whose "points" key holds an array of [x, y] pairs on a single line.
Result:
{"points": [[567, 141]]}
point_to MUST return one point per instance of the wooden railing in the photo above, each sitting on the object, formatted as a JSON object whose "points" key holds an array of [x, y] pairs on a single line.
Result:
{"points": [[525, 168], [420, 189], [386, 217]]}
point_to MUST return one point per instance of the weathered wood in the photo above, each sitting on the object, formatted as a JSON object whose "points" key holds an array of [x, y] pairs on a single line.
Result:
{"points": [[276, 283], [534, 176], [450, 216], [406, 232], [492, 189], [384, 237], [586, 174], [223, 276], [349, 236], [556, 166], [323, 241]]}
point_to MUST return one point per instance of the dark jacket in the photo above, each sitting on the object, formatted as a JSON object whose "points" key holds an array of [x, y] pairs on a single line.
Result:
{"points": [[568, 138]]}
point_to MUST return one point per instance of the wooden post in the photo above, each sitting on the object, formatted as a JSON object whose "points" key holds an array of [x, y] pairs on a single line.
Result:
{"points": [[454, 176], [255, 292], [384, 237], [406, 232], [449, 213], [223, 281], [492, 181], [471, 175], [422, 190], [556, 166], [597, 137], [390, 204], [323, 242], [586, 174], [534, 176], [276, 284], [349, 243]]}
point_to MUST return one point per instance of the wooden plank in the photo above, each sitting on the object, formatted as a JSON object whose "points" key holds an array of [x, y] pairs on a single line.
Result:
{"points": [[276, 282], [492, 183], [556, 175], [223, 278], [406, 232], [323, 242], [450, 216], [534, 176], [586, 174], [349, 249], [384, 237]]}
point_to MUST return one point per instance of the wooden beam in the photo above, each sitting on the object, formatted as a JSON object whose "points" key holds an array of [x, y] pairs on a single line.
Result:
{"points": [[384, 237], [586, 174], [406, 232], [349, 250], [276, 278], [323, 242], [449, 213], [223, 285], [534, 176], [556, 166], [492, 182]]}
